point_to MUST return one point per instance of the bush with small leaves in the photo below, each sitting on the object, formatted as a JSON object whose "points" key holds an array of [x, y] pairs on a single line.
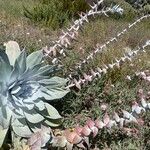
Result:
{"points": [[55, 13]]}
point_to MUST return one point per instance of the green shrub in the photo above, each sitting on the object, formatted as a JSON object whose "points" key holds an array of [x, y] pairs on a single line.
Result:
{"points": [[55, 13]]}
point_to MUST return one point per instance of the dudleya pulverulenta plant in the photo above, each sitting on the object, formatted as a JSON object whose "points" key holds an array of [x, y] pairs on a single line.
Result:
{"points": [[25, 86]]}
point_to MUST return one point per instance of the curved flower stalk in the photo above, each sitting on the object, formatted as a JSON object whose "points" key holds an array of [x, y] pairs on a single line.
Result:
{"points": [[26, 87], [99, 71], [79, 136], [72, 32], [101, 48]]}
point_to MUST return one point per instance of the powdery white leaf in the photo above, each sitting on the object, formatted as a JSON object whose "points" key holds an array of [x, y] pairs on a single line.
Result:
{"points": [[12, 51]]}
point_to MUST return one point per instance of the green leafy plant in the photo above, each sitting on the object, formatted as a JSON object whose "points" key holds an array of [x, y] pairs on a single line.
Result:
{"points": [[55, 13], [25, 86]]}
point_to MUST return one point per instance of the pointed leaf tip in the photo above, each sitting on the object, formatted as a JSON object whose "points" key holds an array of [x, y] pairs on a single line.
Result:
{"points": [[12, 51]]}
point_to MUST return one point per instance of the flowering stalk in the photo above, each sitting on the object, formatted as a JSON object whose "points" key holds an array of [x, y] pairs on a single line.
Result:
{"points": [[114, 39], [72, 32], [99, 71], [79, 136]]}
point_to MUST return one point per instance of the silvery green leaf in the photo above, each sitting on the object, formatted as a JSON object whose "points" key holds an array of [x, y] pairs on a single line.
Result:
{"points": [[40, 105], [29, 106], [59, 81], [3, 133], [53, 123], [34, 58], [18, 101], [49, 82], [39, 71], [54, 82], [52, 112], [29, 73], [47, 69], [33, 117], [12, 51], [4, 100], [4, 57], [22, 62], [15, 89], [53, 93], [15, 73], [18, 113], [32, 98], [20, 127], [28, 89], [5, 70], [5, 116]]}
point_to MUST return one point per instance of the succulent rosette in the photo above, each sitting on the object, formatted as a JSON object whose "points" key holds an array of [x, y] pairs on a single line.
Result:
{"points": [[26, 87]]}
